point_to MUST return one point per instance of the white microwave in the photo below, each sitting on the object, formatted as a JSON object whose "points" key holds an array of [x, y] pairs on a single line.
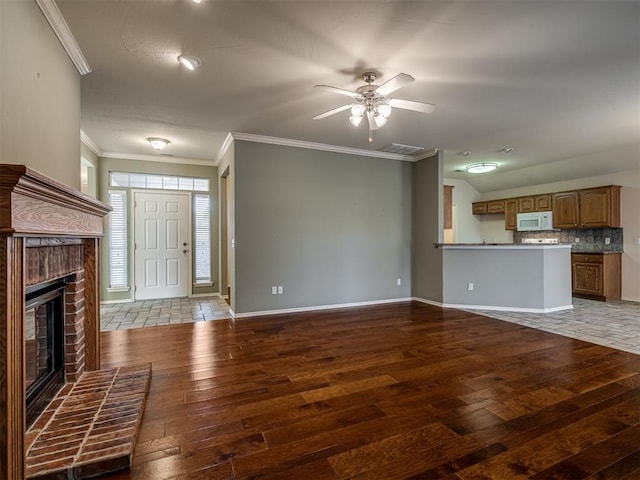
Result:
{"points": [[528, 222]]}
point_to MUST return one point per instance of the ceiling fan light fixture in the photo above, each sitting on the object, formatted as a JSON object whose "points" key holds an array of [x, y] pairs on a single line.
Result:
{"points": [[158, 143], [483, 167], [384, 110], [189, 62], [357, 110], [380, 120], [355, 120]]}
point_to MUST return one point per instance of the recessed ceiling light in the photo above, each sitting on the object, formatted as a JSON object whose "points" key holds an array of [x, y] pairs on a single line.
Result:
{"points": [[197, 1], [189, 62], [481, 167], [158, 143]]}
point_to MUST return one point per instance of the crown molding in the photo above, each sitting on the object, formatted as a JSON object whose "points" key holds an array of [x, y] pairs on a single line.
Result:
{"points": [[62, 31], [157, 158], [250, 137], [228, 141], [90, 144]]}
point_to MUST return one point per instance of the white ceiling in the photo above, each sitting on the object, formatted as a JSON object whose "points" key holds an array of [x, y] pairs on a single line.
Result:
{"points": [[553, 80]]}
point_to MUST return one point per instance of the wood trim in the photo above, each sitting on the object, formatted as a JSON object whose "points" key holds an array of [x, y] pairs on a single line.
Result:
{"points": [[12, 399], [92, 303], [32, 203]]}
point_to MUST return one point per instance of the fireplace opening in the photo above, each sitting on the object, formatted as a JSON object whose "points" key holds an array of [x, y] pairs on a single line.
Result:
{"points": [[44, 345]]}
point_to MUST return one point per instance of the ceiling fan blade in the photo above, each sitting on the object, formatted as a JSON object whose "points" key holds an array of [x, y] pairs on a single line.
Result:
{"points": [[341, 91], [332, 112], [394, 84], [411, 105]]}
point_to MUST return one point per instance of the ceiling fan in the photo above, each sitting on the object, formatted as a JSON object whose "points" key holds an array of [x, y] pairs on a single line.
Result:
{"points": [[372, 101]]}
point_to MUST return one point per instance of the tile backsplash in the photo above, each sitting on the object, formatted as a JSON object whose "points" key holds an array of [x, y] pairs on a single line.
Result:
{"points": [[590, 239]]}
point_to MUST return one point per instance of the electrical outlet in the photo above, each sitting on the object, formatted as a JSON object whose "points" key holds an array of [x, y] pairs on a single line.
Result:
{"points": [[607, 241], [636, 240], [274, 290], [399, 281], [576, 240], [470, 286], [280, 290]]}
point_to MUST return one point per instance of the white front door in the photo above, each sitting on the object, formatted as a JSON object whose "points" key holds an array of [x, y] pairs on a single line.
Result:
{"points": [[162, 251]]}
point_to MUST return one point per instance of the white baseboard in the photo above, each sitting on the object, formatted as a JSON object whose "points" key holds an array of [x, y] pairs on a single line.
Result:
{"points": [[507, 309], [428, 302], [318, 307], [210, 294], [109, 302], [631, 299]]}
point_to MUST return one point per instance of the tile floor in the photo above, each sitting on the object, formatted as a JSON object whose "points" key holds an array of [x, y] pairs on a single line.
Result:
{"points": [[613, 324], [167, 311]]}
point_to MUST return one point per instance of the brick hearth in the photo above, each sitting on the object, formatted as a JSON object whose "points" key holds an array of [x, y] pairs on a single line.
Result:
{"points": [[90, 427]]}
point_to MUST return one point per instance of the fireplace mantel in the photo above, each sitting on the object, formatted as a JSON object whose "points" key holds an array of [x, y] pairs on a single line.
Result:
{"points": [[37, 212]]}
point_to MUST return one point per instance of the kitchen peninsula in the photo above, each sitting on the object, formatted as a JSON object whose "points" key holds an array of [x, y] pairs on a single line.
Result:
{"points": [[509, 277]]}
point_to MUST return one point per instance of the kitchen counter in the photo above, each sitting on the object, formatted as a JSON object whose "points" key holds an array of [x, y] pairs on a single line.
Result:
{"points": [[507, 276]]}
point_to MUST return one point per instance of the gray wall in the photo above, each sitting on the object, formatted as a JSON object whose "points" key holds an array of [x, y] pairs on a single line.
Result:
{"points": [[107, 165], [427, 228], [330, 228], [40, 95], [530, 278]]}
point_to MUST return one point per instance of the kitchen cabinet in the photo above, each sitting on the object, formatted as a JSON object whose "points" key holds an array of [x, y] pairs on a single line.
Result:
{"points": [[510, 214], [542, 202], [597, 275], [448, 207], [479, 208], [600, 207], [526, 204], [588, 208], [484, 208], [566, 210]]}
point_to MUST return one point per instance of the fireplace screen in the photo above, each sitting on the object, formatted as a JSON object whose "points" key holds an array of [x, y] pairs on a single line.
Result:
{"points": [[44, 345]]}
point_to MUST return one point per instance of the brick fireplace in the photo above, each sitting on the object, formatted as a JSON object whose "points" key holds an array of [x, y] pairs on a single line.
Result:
{"points": [[48, 231]]}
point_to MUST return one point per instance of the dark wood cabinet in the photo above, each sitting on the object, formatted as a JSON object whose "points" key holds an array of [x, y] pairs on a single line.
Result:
{"points": [[566, 210], [479, 208], [491, 206], [587, 208], [597, 275], [543, 202], [510, 214], [600, 207], [448, 207], [526, 205]]}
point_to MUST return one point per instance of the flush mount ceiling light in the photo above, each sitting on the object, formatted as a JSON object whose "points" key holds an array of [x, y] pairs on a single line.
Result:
{"points": [[189, 62], [158, 143], [481, 167], [373, 102]]}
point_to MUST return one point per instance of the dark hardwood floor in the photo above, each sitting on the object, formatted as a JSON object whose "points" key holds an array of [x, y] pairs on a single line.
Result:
{"points": [[386, 392]]}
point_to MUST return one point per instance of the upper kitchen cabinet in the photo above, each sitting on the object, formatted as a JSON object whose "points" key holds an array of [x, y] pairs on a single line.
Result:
{"points": [[566, 210], [526, 204], [588, 208], [483, 208], [543, 203], [600, 207], [510, 213]]}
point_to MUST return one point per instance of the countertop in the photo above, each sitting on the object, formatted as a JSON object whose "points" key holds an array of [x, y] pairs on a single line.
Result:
{"points": [[506, 246]]}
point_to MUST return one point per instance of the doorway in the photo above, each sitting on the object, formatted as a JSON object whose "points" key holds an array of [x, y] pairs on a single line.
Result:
{"points": [[162, 245]]}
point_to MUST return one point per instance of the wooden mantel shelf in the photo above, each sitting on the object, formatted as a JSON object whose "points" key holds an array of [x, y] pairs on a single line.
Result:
{"points": [[41, 220], [34, 204]]}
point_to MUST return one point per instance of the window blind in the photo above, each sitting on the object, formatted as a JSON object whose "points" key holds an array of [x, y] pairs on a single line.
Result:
{"points": [[118, 247], [202, 219]]}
